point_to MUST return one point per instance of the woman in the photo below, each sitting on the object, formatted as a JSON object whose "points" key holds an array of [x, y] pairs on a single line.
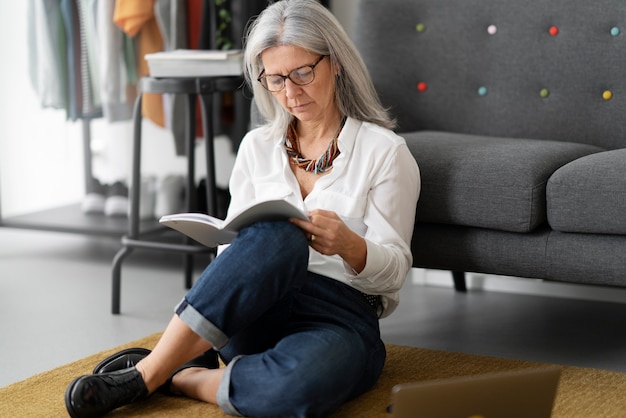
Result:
{"points": [[291, 307]]}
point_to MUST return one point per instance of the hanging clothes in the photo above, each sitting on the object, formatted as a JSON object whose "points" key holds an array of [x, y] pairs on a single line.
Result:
{"points": [[68, 47], [86, 56], [87, 60], [117, 63], [184, 24], [137, 18], [172, 17], [47, 49], [82, 98], [197, 10]]}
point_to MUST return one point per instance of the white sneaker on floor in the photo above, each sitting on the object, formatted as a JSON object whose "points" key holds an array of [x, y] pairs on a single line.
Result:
{"points": [[117, 202], [170, 195], [147, 198], [94, 200]]}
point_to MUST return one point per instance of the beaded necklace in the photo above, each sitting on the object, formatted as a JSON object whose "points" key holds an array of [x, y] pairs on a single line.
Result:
{"points": [[323, 163]]}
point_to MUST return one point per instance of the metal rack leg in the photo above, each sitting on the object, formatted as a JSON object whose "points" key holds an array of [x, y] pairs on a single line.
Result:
{"points": [[87, 156], [206, 103], [191, 200], [133, 229], [116, 282]]}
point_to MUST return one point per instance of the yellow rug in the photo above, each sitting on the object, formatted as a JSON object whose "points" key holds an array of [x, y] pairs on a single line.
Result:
{"points": [[583, 392]]}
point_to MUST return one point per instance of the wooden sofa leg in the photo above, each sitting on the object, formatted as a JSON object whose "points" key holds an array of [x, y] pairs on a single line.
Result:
{"points": [[459, 281]]}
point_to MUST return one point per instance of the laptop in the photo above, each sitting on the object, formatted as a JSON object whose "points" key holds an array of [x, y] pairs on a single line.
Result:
{"points": [[527, 393]]}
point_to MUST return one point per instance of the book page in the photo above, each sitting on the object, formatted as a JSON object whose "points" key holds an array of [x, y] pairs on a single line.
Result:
{"points": [[195, 217], [271, 210]]}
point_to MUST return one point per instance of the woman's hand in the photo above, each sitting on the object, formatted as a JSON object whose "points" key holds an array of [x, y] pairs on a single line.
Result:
{"points": [[329, 235]]}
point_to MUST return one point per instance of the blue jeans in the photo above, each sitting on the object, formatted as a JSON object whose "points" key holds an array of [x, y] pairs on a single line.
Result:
{"points": [[296, 344]]}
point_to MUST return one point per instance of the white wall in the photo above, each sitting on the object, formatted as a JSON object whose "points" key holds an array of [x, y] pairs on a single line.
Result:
{"points": [[37, 148]]}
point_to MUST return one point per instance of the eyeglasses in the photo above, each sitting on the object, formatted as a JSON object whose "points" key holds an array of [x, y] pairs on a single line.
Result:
{"points": [[301, 76]]}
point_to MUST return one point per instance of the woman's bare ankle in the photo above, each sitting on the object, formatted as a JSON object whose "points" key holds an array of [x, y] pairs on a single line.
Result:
{"points": [[150, 378], [198, 383]]}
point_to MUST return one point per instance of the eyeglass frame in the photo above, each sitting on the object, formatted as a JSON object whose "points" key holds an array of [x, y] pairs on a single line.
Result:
{"points": [[263, 77]]}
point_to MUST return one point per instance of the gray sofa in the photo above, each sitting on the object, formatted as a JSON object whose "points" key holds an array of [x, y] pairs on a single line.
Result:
{"points": [[516, 113]]}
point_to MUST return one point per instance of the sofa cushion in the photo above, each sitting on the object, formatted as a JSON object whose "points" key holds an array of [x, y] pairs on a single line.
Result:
{"points": [[589, 194], [487, 182]]}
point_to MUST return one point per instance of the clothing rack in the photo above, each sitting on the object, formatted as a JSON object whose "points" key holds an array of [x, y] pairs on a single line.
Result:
{"points": [[70, 218]]}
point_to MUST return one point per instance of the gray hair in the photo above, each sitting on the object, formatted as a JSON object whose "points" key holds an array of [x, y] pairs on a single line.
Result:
{"points": [[309, 25]]}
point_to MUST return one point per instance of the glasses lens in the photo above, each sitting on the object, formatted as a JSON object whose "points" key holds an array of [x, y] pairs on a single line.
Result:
{"points": [[273, 82], [302, 76]]}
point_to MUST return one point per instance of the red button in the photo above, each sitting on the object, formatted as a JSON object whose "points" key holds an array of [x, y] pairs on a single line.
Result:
{"points": [[421, 86], [553, 31]]}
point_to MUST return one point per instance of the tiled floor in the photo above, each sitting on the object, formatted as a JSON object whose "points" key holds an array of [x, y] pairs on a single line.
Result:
{"points": [[55, 308]]}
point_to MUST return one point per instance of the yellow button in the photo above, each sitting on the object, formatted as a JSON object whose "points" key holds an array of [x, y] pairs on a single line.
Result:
{"points": [[607, 95], [544, 93], [420, 27]]}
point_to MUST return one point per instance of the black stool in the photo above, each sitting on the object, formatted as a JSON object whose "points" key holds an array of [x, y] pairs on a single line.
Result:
{"points": [[194, 87]]}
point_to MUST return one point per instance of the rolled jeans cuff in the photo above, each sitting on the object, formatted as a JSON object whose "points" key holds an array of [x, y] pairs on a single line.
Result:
{"points": [[200, 325], [223, 391]]}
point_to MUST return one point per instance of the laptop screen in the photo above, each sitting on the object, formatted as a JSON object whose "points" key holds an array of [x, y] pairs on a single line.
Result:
{"points": [[525, 393]]}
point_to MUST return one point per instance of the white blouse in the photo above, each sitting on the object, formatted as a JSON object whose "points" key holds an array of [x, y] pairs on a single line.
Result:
{"points": [[374, 187]]}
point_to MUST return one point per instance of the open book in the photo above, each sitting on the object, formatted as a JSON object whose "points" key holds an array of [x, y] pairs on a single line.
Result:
{"points": [[211, 231]]}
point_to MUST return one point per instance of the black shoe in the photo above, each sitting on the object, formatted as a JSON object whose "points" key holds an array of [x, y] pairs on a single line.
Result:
{"points": [[208, 360], [95, 395], [121, 360]]}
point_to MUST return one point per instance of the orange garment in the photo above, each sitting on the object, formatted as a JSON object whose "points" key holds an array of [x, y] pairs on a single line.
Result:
{"points": [[136, 18]]}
